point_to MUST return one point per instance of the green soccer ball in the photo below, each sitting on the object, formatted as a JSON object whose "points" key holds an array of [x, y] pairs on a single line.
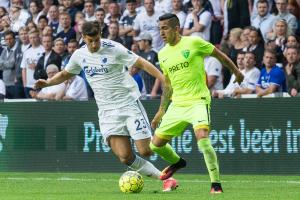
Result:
{"points": [[131, 182]]}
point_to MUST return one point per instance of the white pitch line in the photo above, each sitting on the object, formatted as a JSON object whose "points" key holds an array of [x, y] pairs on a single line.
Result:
{"points": [[115, 180]]}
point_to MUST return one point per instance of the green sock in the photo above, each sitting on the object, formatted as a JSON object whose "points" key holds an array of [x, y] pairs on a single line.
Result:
{"points": [[166, 152], [210, 158]]}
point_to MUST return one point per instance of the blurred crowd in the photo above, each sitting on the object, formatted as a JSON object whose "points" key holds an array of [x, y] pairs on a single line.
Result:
{"points": [[37, 39]]}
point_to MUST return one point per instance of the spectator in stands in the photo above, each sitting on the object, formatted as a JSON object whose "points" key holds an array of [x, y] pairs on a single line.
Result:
{"points": [[264, 20], [48, 57], [254, 12], [104, 4], [198, 22], [163, 6], [7, 64], [148, 22], [251, 76], [60, 47], [79, 16], [134, 72], [3, 12], [75, 89], [54, 20], [272, 78], [283, 13], [42, 23], [89, 10], [2, 90], [31, 25], [227, 92], [68, 32], [100, 15], [292, 70], [236, 44], [71, 47], [293, 40], [126, 23], [33, 11], [216, 30], [47, 31], [236, 15], [79, 37], [294, 9], [213, 69], [16, 19], [46, 6], [29, 61], [23, 45], [54, 92], [256, 45], [113, 30], [152, 85], [70, 8], [178, 11], [114, 13], [278, 38]]}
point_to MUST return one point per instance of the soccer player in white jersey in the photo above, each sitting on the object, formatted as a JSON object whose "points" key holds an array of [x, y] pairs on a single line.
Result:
{"points": [[121, 115]]}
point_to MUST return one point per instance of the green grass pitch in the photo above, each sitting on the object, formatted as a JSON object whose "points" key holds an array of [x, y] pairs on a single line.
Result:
{"points": [[90, 186]]}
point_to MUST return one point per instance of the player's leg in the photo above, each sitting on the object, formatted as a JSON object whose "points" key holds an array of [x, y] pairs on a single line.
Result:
{"points": [[201, 124], [139, 128], [144, 150], [171, 125]]}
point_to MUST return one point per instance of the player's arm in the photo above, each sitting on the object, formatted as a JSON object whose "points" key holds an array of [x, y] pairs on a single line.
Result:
{"points": [[145, 65], [227, 62], [57, 79]]}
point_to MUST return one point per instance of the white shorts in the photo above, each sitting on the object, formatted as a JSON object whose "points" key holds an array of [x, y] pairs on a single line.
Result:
{"points": [[130, 120]]}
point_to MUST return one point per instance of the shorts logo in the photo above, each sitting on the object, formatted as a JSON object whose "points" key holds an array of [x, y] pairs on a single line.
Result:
{"points": [[186, 53]]}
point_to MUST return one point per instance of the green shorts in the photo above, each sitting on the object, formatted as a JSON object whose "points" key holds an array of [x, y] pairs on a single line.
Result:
{"points": [[177, 118]]}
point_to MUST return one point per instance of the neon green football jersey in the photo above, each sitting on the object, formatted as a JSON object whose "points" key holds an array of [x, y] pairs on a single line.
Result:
{"points": [[184, 65]]}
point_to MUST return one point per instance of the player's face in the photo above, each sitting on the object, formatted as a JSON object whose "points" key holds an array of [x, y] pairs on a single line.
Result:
{"points": [[93, 43], [167, 33]]}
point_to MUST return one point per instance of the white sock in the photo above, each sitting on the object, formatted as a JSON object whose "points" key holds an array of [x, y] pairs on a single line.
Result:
{"points": [[145, 167]]}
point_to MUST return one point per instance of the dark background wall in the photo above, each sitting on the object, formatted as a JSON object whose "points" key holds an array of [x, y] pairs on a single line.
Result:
{"points": [[259, 136]]}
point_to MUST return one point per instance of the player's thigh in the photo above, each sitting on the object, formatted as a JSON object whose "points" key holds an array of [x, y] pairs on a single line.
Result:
{"points": [[173, 123], [121, 146], [137, 123], [199, 117], [143, 146]]}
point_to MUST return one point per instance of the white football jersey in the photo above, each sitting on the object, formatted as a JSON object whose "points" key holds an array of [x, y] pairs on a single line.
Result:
{"points": [[107, 73]]}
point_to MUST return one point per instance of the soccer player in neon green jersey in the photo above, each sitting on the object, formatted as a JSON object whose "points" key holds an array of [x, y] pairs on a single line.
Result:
{"points": [[181, 61]]}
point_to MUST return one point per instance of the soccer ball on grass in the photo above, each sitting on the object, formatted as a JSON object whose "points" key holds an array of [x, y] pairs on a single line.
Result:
{"points": [[131, 182]]}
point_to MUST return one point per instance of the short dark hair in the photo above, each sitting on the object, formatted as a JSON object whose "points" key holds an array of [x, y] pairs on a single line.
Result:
{"points": [[9, 32], [293, 47], [173, 19], [130, 1], [73, 41], [262, 1], [250, 52], [100, 9], [91, 28], [43, 17]]}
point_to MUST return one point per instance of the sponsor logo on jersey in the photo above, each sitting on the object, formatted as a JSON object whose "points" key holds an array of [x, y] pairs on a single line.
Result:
{"points": [[93, 71], [178, 66]]}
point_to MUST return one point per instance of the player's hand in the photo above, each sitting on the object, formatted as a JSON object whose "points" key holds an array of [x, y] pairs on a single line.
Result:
{"points": [[239, 77], [41, 83], [157, 118]]}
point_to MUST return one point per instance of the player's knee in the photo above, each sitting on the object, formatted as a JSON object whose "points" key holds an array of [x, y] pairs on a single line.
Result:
{"points": [[126, 158], [145, 152], [153, 147]]}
